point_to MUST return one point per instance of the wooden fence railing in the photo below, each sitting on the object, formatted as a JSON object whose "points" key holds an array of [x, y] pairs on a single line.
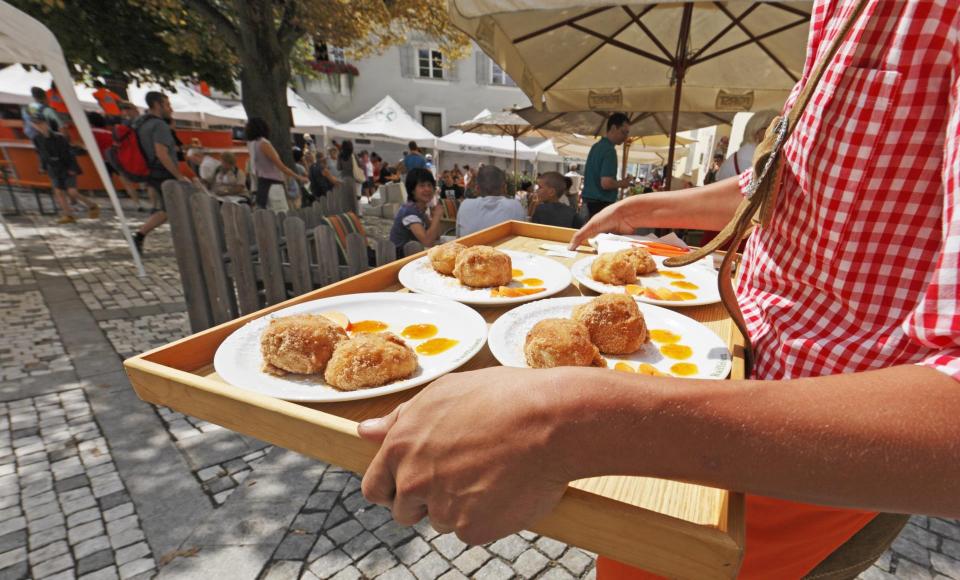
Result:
{"points": [[234, 260]]}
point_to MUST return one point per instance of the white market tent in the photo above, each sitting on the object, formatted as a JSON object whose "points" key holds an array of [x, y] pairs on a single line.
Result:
{"points": [[24, 39], [481, 144], [187, 103], [547, 151], [387, 121], [306, 117], [16, 82]]}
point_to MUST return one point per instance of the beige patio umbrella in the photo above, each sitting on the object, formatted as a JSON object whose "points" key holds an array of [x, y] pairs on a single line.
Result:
{"points": [[597, 55], [502, 123], [641, 123]]}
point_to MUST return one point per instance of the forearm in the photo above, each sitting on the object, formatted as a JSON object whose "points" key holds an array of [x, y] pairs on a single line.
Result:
{"points": [[884, 440], [705, 208], [164, 157]]}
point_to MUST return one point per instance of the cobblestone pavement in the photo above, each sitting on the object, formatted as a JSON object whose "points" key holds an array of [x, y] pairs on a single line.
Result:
{"points": [[97, 484]]}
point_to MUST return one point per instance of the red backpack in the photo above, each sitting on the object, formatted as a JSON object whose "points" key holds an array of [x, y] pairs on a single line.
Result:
{"points": [[126, 155]]}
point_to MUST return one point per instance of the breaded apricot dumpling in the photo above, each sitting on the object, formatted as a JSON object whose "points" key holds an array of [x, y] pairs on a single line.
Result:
{"points": [[642, 260], [617, 268], [483, 267], [615, 323], [370, 360], [301, 344], [443, 258], [560, 342]]}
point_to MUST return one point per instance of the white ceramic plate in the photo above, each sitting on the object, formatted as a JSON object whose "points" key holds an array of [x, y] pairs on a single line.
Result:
{"points": [[420, 277], [238, 359], [710, 354], [705, 278]]}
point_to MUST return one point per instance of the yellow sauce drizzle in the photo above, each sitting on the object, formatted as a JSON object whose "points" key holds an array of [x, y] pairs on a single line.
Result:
{"points": [[532, 282], [649, 369], [436, 346], [517, 273], [684, 369], [624, 367], [633, 289], [685, 285], [686, 295], [676, 351], [368, 326], [674, 275], [664, 336], [419, 331]]}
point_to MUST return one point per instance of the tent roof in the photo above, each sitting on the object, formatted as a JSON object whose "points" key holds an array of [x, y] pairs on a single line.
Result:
{"points": [[305, 115], [483, 144], [188, 104], [386, 121], [16, 82]]}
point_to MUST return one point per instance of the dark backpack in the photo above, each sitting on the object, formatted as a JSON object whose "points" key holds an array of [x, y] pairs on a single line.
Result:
{"points": [[126, 154]]}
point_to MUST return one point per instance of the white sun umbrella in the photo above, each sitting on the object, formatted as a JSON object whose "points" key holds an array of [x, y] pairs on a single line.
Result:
{"points": [[482, 144], [24, 39], [386, 121], [188, 104], [643, 55], [17, 80]]}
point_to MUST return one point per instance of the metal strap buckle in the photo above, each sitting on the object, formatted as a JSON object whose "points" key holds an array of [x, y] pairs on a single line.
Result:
{"points": [[781, 133]]}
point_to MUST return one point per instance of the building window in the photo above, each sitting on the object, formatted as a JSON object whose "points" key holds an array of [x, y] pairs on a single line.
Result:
{"points": [[499, 77], [429, 63], [433, 123], [336, 54]]}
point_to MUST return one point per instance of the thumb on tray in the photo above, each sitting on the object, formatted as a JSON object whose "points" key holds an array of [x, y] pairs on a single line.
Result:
{"points": [[376, 429]]}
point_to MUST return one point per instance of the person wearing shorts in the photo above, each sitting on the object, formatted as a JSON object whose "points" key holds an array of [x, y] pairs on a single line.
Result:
{"points": [[61, 166]]}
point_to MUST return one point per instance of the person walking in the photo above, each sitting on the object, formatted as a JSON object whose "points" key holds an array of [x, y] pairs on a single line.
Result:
{"points": [[350, 176], [159, 146], [267, 167], [60, 163], [600, 185], [104, 139]]}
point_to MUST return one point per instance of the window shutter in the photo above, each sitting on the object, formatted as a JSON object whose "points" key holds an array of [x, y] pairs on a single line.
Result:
{"points": [[483, 67], [406, 61]]}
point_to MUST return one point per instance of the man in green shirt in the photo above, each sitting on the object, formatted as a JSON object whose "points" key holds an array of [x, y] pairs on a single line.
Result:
{"points": [[600, 183]]}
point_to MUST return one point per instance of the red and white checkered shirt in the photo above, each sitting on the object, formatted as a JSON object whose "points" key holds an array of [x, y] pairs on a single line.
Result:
{"points": [[859, 267]]}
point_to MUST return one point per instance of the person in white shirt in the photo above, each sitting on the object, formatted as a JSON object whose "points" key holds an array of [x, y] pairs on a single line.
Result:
{"points": [[491, 206], [572, 195], [752, 135], [205, 166]]}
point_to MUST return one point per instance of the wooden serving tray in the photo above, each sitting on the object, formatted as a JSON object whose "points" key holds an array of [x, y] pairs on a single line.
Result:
{"points": [[674, 529]]}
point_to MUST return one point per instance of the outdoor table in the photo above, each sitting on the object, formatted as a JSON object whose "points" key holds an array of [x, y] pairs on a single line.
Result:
{"points": [[671, 528]]}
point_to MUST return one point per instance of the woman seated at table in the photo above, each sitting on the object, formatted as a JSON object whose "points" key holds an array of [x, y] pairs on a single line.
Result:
{"points": [[418, 219], [229, 180]]}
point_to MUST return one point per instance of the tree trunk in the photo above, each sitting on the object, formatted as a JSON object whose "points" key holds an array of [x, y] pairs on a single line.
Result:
{"points": [[265, 73]]}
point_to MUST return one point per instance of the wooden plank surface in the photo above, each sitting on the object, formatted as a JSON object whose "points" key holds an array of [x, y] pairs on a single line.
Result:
{"points": [[210, 246], [268, 244], [238, 233], [176, 200], [298, 255], [672, 528]]}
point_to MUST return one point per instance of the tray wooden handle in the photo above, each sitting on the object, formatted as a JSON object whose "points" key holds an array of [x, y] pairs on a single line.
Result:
{"points": [[696, 551]]}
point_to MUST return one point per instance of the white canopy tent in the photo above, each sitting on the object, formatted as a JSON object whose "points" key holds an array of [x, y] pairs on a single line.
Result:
{"points": [[24, 39], [187, 103], [17, 80], [481, 144], [305, 116], [387, 121]]}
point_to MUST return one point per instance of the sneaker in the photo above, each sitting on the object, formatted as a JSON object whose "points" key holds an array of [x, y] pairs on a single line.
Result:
{"points": [[138, 242], [94, 212], [67, 219]]}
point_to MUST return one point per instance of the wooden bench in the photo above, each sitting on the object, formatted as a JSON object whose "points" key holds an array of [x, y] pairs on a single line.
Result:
{"points": [[234, 260]]}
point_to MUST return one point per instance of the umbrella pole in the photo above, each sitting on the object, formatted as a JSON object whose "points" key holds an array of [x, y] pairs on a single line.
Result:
{"points": [[626, 153], [681, 71], [515, 174]]}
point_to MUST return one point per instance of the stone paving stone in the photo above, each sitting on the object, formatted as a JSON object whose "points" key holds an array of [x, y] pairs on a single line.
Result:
{"points": [[948, 529], [283, 570], [913, 551], [295, 547], [83, 517], [91, 546], [47, 552], [329, 564], [108, 573], [453, 575], [348, 573], [8, 559], [495, 569], [575, 561], [361, 545], [131, 553], [393, 534], [530, 563], [510, 547], [551, 547], [85, 531], [13, 540], [131, 569], [376, 563], [471, 560], [95, 561], [907, 569], [344, 532], [920, 536], [557, 574], [449, 546], [432, 566], [52, 566], [412, 551], [397, 573]]}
